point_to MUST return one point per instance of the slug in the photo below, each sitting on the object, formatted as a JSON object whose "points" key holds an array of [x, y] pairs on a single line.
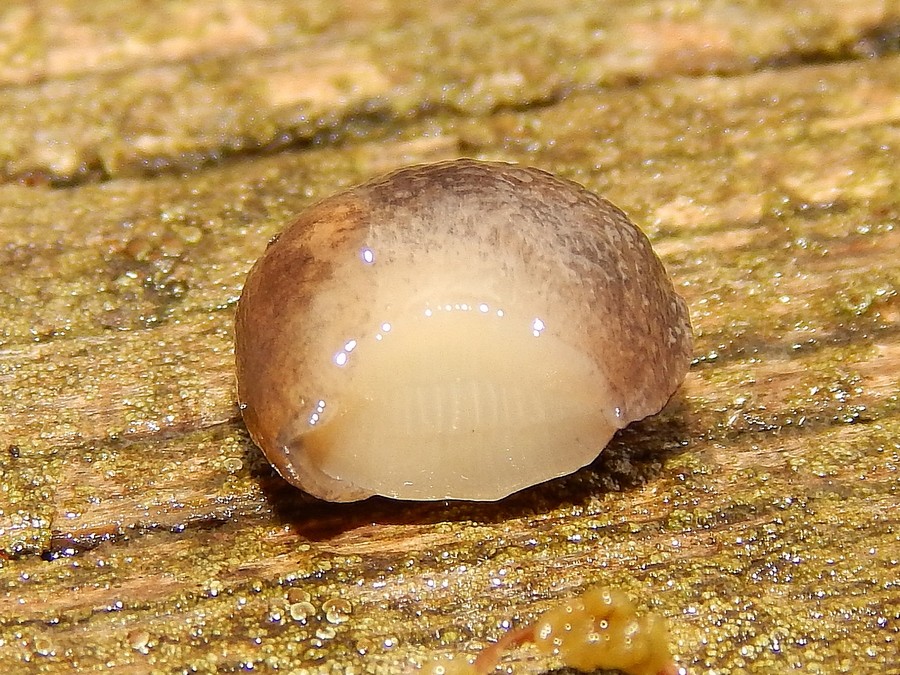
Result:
{"points": [[458, 330]]}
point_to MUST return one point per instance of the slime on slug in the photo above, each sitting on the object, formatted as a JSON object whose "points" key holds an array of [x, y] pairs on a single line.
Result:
{"points": [[459, 330]]}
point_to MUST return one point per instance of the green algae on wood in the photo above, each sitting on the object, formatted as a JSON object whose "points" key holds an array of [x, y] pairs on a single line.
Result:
{"points": [[758, 512], [186, 88]]}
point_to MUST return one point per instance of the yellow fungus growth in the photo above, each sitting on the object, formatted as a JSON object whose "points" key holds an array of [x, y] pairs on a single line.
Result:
{"points": [[599, 629]]}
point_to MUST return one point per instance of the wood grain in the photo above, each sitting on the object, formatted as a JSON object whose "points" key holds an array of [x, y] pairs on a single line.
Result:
{"points": [[149, 154]]}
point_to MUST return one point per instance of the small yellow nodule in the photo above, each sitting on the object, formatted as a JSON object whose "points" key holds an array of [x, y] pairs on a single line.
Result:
{"points": [[599, 629]]}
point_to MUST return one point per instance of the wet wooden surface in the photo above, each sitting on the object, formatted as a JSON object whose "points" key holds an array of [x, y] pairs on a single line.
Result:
{"points": [[148, 157]]}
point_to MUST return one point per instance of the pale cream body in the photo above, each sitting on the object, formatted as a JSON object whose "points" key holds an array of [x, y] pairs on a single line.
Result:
{"points": [[463, 377]]}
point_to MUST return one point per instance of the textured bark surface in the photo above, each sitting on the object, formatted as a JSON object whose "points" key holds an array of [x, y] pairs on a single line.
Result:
{"points": [[148, 157]]}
